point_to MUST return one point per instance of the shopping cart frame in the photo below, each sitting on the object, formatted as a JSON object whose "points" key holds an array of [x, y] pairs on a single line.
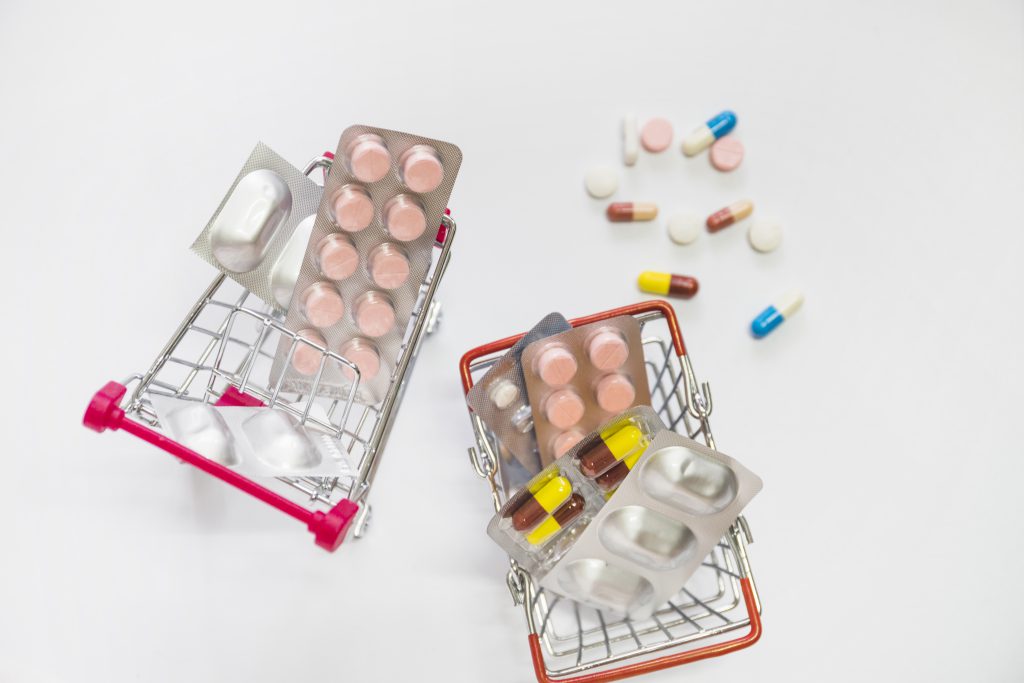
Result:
{"points": [[329, 506], [676, 379]]}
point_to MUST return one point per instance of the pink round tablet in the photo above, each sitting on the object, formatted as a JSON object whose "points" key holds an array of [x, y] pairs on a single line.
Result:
{"points": [[374, 314], [305, 358], [421, 169], [337, 257], [615, 393], [607, 350], [566, 440], [564, 408], [726, 153], [405, 219], [322, 304], [656, 135], [556, 366], [363, 354], [388, 266], [353, 209], [369, 158]]}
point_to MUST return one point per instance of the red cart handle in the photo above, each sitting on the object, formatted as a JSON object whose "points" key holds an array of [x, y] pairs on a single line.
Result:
{"points": [[660, 663], [104, 412], [655, 305]]}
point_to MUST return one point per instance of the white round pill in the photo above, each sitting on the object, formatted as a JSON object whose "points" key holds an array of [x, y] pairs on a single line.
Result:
{"points": [[765, 234], [503, 394], [601, 181], [684, 227]]}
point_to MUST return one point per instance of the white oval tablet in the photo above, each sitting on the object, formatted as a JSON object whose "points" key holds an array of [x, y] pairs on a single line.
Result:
{"points": [[765, 234], [684, 227], [601, 181]]}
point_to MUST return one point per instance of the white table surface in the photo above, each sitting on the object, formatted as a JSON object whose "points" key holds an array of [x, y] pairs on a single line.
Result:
{"points": [[883, 418]]}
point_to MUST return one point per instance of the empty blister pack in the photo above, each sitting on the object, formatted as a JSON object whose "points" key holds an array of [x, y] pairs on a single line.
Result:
{"points": [[256, 441], [368, 255], [499, 398], [540, 522], [643, 545], [580, 378], [258, 234]]}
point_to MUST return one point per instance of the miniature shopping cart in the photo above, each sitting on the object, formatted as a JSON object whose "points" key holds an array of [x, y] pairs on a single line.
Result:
{"points": [[571, 643], [222, 353]]}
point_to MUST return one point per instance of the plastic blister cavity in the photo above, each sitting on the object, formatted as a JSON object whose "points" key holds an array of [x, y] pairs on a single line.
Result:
{"points": [[258, 234], [200, 427]]}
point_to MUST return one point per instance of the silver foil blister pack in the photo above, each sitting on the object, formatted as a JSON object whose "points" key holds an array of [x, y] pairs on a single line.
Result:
{"points": [[258, 234], [499, 399], [369, 253], [580, 378]]}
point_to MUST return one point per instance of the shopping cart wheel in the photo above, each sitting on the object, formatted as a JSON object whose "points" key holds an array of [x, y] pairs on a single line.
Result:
{"points": [[329, 528], [104, 411]]}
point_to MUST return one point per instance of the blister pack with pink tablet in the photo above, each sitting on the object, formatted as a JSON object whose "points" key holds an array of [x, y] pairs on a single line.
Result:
{"points": [[367, 258], [580, 378], [259, 232]]}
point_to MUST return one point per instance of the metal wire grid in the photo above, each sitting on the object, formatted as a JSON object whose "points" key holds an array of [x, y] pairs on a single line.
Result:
{"points": [[577, 638]]}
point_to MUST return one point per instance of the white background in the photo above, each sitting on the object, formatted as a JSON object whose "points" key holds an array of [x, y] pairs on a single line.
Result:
{"points": [[884, 417]]}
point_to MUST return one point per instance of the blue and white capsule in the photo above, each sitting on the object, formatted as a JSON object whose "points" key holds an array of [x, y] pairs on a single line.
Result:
{"points": [[773, 316], [700, 139]]}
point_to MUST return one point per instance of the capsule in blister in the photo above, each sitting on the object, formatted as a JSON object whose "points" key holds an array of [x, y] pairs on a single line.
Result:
{"points": [[541, 503], [611, 448], [557, 521]]}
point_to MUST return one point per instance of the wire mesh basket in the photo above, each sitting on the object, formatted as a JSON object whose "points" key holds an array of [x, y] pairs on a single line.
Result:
{"points": [[573, 643], [222, 353]]}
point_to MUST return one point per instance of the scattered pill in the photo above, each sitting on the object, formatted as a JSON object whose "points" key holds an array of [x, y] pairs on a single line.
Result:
{"points": [[564, 408], [609, 449], [369, 158], [656, 135], [684, 227], [726, 153], [765, 235], [667, 284], [625, 212], [773, 316], [563, 515], [699, 140], [601, 181], [615, 393], [503, 394], [630, 140], [723, 218], [543, 502], [306, 359]]}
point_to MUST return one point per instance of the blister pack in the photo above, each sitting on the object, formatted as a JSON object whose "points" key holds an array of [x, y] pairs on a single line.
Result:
{"points": [[256, 441], [580, 378], [541, 522], [258, 234], [499, 398], [369, 253], [643, 545]]}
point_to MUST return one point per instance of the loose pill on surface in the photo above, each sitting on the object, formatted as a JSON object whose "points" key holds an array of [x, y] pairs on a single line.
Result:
{"points": [[726, 153], [601, 181], [630, 140], [306, 359], [684, 227], [625, 212], [656, 135], [765, 235], [773, 316], [723, 218], [700, 138], [667, 284], [503, 394], [615, 393], [572, 509], [543, 502], [368, 158], [556, 366], [564, 408]]}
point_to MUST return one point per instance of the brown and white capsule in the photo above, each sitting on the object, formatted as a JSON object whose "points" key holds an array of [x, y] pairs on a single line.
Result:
{"points": [[723, 218], [627, 212]]}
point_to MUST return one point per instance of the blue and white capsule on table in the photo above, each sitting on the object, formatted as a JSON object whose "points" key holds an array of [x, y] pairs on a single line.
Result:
{"points": [[781, 310], [701, 138]]}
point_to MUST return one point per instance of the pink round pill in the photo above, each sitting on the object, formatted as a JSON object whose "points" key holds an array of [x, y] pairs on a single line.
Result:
{"points": [[421, 169], [556, 366], [369, 158], [388, 266], [656, 135], [566, 440], [564, 408], [337, 257], [353, 209], [322, 304], [615, 393], [404, 219], [726, 153], [305, 358], [607, 350], [374, 314], [363, 354]]}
